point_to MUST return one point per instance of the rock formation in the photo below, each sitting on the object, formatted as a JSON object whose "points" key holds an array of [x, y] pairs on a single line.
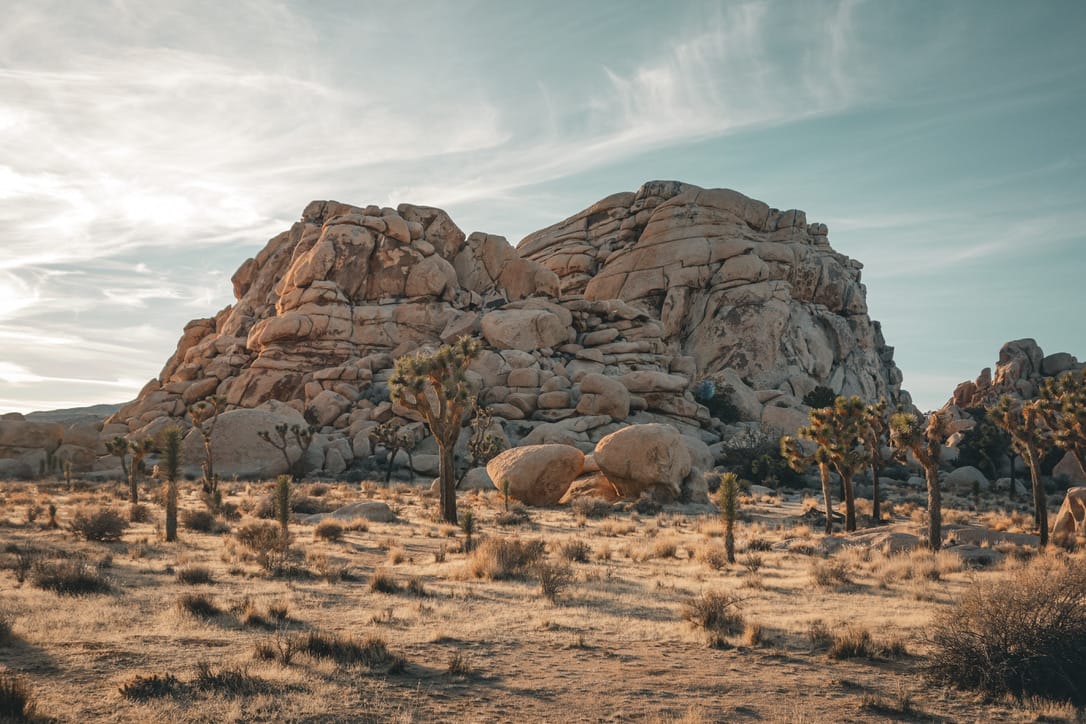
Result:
{"points": [[1021, 369], [613, 317]]}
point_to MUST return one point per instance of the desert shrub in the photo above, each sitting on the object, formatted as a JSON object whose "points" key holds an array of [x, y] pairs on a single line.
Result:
{"points": [[307, 505], [713, 556], [755, 455], [198, 604], [517, 514], [266, 540], [553, 579], [718, 399], [1024, 637], [103, 524], [665, 548], [502, 558], [152, 686], [330, 569], [203, 521], [852, 642], [574, 551], [416, 588], [372, 653], [753, 562], [139, 513], [383, 582], [590, 507], [830, 573], [329, 530], [460, 666], [820, 396], [7, 622], [16, 698], [227, 680], [318, 490], [72, 577], [715, 611], [249, 614], [194, 575]]}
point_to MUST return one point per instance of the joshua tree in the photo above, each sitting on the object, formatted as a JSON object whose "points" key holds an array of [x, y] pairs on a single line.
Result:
{"points": [[1031, 438], [139, 450], [303, 436], [874, 435], [482, 446], [1063, 406], [436, 387], [924, 439], [118, 447], [393, 437], [171, 468], [205, 414], [729, 508], [838, 433], [282, 503]]}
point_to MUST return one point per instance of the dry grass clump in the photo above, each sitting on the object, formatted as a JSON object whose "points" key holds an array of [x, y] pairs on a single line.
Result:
{"points": [[665, 548], [372, 653], [266, 541], [918, 565], [1023, 637], [713, 556], [7, 624], [384, 582], [202, 521], [717, 612], [151, 686], [328, 530], [103, 524], [69, 577], [589, 507], [16, 699], [553, 579], [831, 572], [574, 551], [227, 680], [200, 605], [502, 558], [194, 575], [517, 514]]}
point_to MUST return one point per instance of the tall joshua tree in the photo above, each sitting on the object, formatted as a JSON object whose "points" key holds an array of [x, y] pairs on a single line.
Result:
{"points": [[303, 436], [118, 447], [1063, 407], [1031, 438], [205, 414], [139, 450], [838, 434], [171, 468], [874, 435], [436, 387], [910, 432]]}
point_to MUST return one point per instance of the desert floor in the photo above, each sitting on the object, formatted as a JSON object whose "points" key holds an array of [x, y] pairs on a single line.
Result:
{"points": [[614, 645]]}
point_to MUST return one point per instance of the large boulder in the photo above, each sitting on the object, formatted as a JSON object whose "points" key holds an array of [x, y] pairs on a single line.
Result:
{"points": [[237, 448], [602, 395], [1070, 522], [536, 474], [965, 480], [1069, 469], [523, 329], [641, 458]]}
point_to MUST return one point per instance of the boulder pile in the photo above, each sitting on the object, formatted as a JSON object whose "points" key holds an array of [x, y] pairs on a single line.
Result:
{"points": [[626, 313]]}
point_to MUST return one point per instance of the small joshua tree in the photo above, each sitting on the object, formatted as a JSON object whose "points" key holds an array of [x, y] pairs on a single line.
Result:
{"points": [[467, 524], [436, 387], [205, 414], [139, 450], [393, 437], [282, 503], [1031, 438], [303, 436], [118, 447], [924, 439], [1063, 407], [729, 509], [838, 432], [875, 434], [171, 468], [482, 445]]}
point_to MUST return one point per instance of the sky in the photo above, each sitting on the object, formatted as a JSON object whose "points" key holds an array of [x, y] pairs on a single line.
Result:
{"points": [[148, 147]]}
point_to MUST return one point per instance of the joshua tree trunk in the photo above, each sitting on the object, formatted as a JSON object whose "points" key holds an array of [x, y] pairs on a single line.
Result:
{"points": [[827, 495], [447, 482], [876, 504], [850, 503], [171, 511], [133, 488], [935, 508], [1040, 501]]}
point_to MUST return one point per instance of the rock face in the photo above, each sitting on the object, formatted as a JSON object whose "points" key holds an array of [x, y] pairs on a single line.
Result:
{"points": [[536, 474], [1021, 369], [1070, 523], [613, 317], [643, 458]]}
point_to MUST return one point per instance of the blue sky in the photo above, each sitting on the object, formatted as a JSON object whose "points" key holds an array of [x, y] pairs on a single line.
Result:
{"points": [[147, 148]]}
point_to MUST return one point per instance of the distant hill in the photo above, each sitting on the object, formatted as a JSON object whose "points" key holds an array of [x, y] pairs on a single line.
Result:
{"points": [[71, 415]]}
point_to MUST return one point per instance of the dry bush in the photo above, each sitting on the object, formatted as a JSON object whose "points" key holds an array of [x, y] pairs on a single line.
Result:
{"points": [[318, 490], [553, 579], [396, 556], [227, 680], [200, 605], [831, 572], [715, 611], [266, 541], [332, 570], [71, 577], [16, 699], [590, 507], [516, 515], [103, 524], [460, 666], [139, 513], [372, 653], [713, 556], [1024, 637], [202, 521], [852, 642], [383, 582], [7, 622], [329, 530], [152, 686], [617, 527], [194, 575], [574, 551], [665, 548], [752, 562], [501, 558]]}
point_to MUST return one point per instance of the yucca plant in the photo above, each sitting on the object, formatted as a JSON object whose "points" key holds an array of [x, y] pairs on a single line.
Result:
{"points": [[171, 468], [729, 509], [924, 438], [1031, 438]]}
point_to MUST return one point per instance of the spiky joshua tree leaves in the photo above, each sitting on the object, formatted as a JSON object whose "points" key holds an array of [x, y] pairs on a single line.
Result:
{"points": [[139, 450], [118, 447], [838, 433], [1063, 407], [1031, 438], [436, 387], [205, 414], [875, 434], [924, 438], [729, 510]]}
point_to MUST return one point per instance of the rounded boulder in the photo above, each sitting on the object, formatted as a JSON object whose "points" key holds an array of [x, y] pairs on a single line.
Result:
{"points": [[639, 458], [536, 474]]}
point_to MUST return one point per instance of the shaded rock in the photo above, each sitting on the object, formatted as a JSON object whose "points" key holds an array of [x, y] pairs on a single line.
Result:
{"points": [[371, 510], [647, 457], [536, 474], [1070, 523]]}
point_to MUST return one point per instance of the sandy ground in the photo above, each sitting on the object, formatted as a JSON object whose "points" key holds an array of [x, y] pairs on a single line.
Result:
{"points": [[613, 646]]}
